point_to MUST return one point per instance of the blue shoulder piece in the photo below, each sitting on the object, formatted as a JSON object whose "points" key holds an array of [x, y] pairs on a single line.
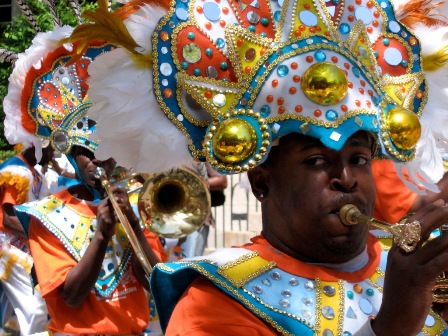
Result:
{"points": [[167, 287], [15, 160], [67, 181], [169, 281], [22, 213]]}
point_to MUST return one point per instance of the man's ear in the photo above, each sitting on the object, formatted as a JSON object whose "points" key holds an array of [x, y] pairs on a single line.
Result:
{"points": [[259, 178]]}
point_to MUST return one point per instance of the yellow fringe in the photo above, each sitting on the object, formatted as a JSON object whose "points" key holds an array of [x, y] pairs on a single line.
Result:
{"points": [[18, 148], [436, 60], [21, 183], [9, 259]]}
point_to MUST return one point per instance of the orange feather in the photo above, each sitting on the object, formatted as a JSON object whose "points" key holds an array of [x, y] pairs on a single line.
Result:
{"points": [[134, 5], [415, 11]]}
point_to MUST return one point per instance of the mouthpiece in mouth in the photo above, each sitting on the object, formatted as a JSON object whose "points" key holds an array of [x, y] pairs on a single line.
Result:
{"points": [[99, 172], [348, 214]]}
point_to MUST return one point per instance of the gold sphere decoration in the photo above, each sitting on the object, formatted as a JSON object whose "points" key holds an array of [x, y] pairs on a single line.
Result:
{"points": [[234, 141], [325, 83], [404, 127]]}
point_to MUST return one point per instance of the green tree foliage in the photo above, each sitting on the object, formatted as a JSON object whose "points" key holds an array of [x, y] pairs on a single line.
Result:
{"points": [[17, 36]]}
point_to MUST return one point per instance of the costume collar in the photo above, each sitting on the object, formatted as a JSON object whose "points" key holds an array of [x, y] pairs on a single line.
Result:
{"points": [[307, 270], [73, 222]]}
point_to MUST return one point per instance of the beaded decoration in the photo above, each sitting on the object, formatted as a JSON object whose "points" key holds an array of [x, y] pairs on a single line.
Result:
{"points": [[51, 95], [234, 76], [59, 102]]}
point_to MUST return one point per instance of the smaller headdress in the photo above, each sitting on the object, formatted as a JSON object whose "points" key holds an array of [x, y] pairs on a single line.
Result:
{"points": [[47, 95]]}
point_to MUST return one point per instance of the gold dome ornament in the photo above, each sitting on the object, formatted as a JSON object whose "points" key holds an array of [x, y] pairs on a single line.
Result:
{"points": [[404, 127], [325, 83], [237, 141], [234, 141]]}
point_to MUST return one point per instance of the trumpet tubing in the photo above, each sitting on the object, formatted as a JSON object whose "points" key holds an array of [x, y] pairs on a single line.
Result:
{"points": [[351, 215], [138, 250], [133, 183], [171, 204]]}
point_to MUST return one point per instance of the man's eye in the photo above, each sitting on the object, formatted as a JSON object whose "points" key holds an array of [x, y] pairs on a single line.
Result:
{"points": [[360, 160], [316, 161]]}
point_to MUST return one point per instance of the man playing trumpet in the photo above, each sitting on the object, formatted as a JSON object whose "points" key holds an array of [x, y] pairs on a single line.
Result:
{"points": [[300, 94]]}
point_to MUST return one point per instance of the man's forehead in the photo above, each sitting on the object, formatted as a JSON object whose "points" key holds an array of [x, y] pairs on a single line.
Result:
{"points": [[361, 138]]}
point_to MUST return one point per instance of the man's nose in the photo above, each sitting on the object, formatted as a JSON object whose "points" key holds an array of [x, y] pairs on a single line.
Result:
{"points": [[343, 179]]}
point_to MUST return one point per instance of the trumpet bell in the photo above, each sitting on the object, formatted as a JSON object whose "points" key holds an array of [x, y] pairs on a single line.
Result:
{"points": [[175, 203]]}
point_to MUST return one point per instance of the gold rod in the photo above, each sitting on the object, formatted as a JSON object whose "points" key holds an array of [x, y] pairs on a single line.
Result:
{"points": [[138, 250], [350, 215]]}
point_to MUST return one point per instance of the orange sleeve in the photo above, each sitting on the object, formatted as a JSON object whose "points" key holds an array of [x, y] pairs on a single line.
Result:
{"points": [[393, 197], [8, 195], [156, 245], [51, 261], [205, 310]]}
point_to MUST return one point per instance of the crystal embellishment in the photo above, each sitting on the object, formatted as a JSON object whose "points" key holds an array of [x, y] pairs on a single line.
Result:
{"points": [[293, 282], [329, 290], [276, 276], [309, 285], [328, 312]]}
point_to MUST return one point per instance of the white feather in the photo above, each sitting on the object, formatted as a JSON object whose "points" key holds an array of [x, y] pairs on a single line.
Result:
{"points": [[130, 123], [434, 120], [427, 167], [141, 25]]}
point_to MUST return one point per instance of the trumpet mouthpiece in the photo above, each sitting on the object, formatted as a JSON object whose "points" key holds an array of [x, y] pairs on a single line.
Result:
{"points": [[99, 172], [349, 214]]}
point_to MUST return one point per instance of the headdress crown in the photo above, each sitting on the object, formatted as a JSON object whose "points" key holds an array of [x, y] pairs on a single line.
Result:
{"points": [[233, 76]]}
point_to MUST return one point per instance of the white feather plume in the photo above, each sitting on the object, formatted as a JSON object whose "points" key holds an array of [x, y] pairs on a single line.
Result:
{"points": [[427, 167], [130, 124], [42, 44], [141, 25]]}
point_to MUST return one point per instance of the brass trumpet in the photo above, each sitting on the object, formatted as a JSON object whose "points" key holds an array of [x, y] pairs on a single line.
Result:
{"points": [[406, 235], [171, 204], [174, 204], [138, 250]]}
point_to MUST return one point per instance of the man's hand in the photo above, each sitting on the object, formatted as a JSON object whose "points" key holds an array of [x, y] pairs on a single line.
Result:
{"points": [[107, 216], [410, 277], [11, 221]]}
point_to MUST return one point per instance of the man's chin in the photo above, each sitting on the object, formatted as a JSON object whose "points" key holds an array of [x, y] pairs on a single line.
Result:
{"points": [[349, 246]]}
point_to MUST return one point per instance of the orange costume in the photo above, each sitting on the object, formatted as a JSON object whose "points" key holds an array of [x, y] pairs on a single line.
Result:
{"points": [[258, 290], [119, 303], [393, 197]]}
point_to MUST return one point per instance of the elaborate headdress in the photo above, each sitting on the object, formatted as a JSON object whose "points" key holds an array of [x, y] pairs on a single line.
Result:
{"points": [[234, 76], [47, 96]]}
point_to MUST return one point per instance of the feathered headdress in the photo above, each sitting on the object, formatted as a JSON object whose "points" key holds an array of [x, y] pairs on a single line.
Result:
{"points": [[234, 76], [47, 96], [429, 22]]}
